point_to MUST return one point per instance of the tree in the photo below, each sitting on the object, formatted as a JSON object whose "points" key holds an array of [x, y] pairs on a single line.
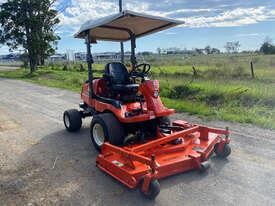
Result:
{"points": [[207, 49], [145, 53], [198, 51], [29, 24], [215, 51], [232, 47], [268, 40], [267, 48], [228, 47], [159, 51], [237, 46]]}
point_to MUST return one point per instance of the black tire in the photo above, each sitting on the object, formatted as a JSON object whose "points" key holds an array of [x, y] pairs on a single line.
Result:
{"points": [[154, 189], [72, 120], [225, 152], [112, 128]]}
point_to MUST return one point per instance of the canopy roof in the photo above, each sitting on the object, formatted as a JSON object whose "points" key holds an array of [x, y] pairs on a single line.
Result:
{"points": [[118, 27]]}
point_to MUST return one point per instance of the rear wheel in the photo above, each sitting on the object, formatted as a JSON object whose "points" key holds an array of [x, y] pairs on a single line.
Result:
{"points": [[106, 127], [72, 120]]}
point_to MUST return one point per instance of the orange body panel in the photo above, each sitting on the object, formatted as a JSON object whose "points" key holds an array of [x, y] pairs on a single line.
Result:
{"points": [[152, 107], [149, 88]]}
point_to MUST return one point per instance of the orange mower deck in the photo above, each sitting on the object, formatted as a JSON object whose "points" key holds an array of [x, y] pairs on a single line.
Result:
{"points": [[160, 157]]}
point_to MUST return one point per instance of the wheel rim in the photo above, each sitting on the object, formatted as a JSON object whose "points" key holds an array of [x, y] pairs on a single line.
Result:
{"points": [[67, 120], [98, 134]]}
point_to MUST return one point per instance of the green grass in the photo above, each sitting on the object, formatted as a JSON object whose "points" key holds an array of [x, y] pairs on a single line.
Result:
{"points": [[51, 77], [60, 79], [222, 90], [239, 100]]}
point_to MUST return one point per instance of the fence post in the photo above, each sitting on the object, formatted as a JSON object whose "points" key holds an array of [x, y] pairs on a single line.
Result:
{"points": [[252, 70], [195, 73], [81, 68]]}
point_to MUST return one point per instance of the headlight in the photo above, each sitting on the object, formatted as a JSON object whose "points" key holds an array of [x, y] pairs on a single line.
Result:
{"points": [[156, 94]]}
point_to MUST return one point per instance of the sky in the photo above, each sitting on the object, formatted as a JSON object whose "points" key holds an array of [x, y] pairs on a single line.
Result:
{"points": [[207, 22]]}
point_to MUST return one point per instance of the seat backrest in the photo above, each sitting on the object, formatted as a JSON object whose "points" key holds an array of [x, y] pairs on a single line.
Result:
{"points": [[117, 73]]}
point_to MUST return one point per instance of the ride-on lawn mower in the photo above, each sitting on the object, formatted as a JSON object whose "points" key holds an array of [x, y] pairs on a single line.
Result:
{"points": [[137, 143]]}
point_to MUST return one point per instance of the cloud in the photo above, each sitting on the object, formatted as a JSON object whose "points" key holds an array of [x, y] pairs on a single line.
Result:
{"points": [[220, 15], [82, 10], [235, 17], [209, 13]]}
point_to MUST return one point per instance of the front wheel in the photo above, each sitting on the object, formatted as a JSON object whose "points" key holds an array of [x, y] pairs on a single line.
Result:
{"points": [[72, 120], [106, 127]]}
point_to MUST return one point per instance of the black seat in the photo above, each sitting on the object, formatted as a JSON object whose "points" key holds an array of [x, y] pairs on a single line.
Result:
{"points": [[118, 78]]}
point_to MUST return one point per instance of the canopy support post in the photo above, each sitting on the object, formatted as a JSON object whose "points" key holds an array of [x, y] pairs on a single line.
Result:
{"points": [[133, 50], [122, 52], [90, 62], [121, 43]]}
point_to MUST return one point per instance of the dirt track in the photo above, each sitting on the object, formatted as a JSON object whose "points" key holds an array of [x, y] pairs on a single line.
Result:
{"points": [[42, 164]]}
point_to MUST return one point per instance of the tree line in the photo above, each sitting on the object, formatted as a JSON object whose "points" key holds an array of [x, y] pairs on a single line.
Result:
{"points": [[231, 47]]}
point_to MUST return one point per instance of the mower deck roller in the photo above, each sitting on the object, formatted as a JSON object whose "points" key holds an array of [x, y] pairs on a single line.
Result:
{"points": [[140, 164], [130, 126]]}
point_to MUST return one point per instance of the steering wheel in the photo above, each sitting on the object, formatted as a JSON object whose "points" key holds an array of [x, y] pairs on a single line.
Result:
{"points": [[141, 70]]}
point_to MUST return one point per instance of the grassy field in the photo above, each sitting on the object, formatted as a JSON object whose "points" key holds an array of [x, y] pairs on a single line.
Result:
{"points": [[222, 89]]}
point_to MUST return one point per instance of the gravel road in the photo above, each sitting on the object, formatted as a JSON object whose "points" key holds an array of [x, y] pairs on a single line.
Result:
{"points": [[42, 164]]}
